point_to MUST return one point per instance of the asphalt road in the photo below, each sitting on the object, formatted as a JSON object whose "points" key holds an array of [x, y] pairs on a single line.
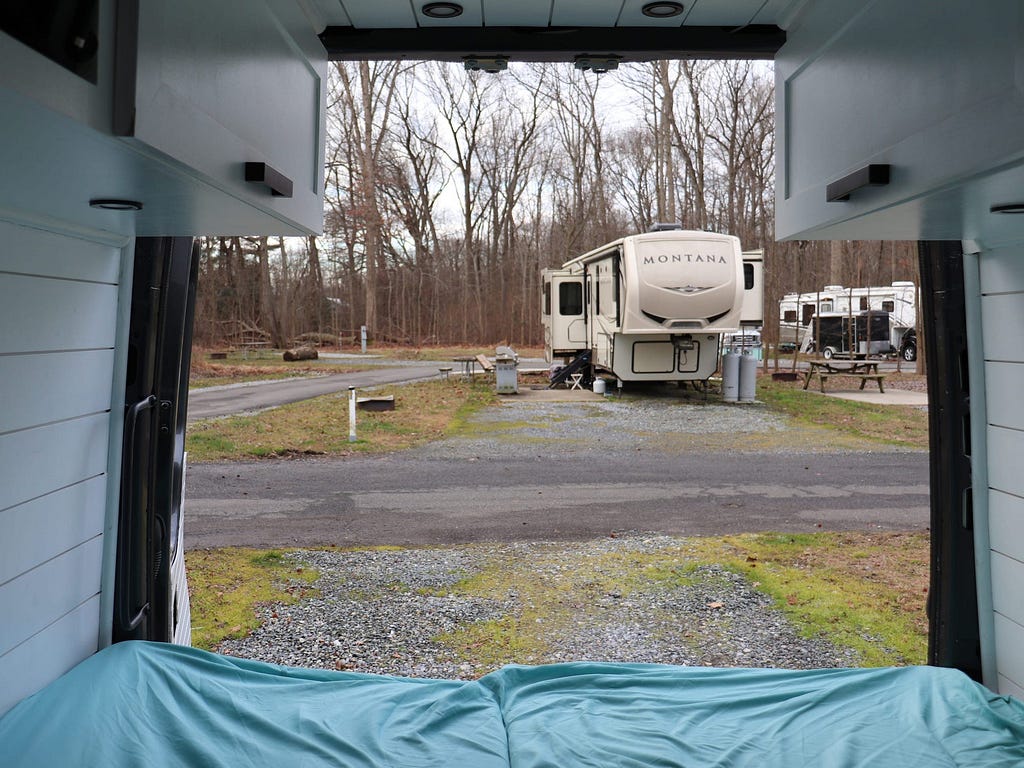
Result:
{"points": [[404, 499], [254, 396]]}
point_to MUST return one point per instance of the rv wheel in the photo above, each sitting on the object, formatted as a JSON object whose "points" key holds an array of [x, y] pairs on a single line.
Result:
{"points": [[827, 353]]}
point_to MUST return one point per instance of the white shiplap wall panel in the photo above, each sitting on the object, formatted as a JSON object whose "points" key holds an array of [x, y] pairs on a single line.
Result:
{"points": [[38, 461], [58, 331], [1009, 688], [32, 601], [1004, 386], [1001, 272], [1003, 321], [1005, 523], [1005, 448], [45, 527], [1010, 650], [48, 654], [30, 251], [76, 383], [1008, 572], [86, 320]]}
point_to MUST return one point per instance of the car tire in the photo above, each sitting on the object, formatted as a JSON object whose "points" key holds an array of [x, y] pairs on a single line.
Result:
{"points": [[828, 353], [909, 353]]}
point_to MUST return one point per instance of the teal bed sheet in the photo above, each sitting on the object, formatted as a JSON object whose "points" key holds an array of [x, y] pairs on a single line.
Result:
{"points": [[151, 704]]}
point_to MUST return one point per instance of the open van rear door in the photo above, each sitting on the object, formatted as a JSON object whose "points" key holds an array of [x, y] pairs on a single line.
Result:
{"points": [[148, 603]]}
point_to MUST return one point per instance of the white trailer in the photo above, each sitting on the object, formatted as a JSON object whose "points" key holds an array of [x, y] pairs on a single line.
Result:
{"points": [[898, 299], [652, 307]]}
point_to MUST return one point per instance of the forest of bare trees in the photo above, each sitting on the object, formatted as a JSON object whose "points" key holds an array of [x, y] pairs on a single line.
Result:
{"points": [[447, 191]]}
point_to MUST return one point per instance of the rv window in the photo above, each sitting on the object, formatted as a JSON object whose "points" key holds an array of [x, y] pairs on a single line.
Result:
{"points": [[864, 302], [748, 276], [790, 316], [888, 306], [547, 298], [570, 299], [826, 306]]}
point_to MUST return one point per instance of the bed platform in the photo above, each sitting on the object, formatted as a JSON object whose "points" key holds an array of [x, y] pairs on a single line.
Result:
{"points": [[143, 704]]}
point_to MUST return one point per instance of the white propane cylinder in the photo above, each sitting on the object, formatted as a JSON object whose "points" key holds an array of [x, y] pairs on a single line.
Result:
{"points": [[730, 377], [748, 378], [599, 386]]}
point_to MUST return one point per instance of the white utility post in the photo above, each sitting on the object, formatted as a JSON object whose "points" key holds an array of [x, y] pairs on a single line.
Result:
{"points": [[351, 414], [362, 334]]}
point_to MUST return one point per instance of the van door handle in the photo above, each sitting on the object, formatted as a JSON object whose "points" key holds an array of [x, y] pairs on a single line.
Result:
{"points": [[129, 616]]}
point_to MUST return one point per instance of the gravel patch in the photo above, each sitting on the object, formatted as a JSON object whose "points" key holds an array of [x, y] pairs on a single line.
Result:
{"points": [[383, 611], [600, 427]]}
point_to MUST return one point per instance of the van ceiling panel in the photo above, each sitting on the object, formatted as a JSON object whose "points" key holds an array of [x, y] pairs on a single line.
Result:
{"points": [[521, 13], [734, 13], [371, 14], [585, 13]]}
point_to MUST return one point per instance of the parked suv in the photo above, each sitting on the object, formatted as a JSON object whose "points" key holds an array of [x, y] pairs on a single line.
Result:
{"points": [[908, 346]]}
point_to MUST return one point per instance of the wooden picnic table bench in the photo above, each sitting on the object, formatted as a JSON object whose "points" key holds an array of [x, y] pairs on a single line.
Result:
{"points": [[866, 370]]}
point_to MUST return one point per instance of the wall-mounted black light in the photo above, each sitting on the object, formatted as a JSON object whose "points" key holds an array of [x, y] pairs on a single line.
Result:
{"points": [[442, 10], [1008, 208], [662, 10], [111, 204]]}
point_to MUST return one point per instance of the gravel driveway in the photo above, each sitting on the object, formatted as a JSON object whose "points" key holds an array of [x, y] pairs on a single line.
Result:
{"points": [[398, 612], [402, 611]]}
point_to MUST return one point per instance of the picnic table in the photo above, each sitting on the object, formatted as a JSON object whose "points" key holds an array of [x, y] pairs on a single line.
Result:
{"points": [[865, 370], [468, 364]]}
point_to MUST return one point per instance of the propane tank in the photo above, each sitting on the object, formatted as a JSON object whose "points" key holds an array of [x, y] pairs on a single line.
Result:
{"points": [[748, 378], [730, 377]]}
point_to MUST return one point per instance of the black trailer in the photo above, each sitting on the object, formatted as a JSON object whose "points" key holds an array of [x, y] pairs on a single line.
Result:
{"points": [[860, 335]]}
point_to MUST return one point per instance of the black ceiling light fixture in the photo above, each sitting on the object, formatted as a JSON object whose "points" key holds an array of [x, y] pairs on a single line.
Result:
{"points": [[597, 64], [1008, 208], [492, 64], [442, 10], [664, 9], [112, 204]]}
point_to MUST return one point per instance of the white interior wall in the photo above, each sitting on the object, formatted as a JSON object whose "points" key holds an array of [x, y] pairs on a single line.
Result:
{"points": [[59, 297], [1002, 321]]}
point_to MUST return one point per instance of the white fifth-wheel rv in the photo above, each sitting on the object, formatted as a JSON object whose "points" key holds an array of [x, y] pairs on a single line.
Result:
{"points": [[651, 307]]}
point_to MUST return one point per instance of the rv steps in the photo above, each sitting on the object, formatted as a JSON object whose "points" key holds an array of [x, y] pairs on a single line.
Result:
{"points": [[579, 364]]}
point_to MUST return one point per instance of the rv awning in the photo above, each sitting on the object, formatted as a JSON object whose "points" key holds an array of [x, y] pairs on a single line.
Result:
{"points": [[154, 704]]}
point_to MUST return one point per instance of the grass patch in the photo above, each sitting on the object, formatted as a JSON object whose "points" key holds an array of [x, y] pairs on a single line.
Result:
{"points": [[226, 586], [424, 411], [904, 426], [861, 591], [270, 366], [446, 352]]}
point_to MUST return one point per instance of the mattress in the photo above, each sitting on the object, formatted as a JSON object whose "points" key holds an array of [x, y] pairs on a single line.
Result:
{"points": [[141, 704]]}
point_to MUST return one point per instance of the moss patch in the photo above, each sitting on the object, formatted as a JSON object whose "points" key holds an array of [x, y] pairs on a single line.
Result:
{"points": [[226, 587], [861, 591]]}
